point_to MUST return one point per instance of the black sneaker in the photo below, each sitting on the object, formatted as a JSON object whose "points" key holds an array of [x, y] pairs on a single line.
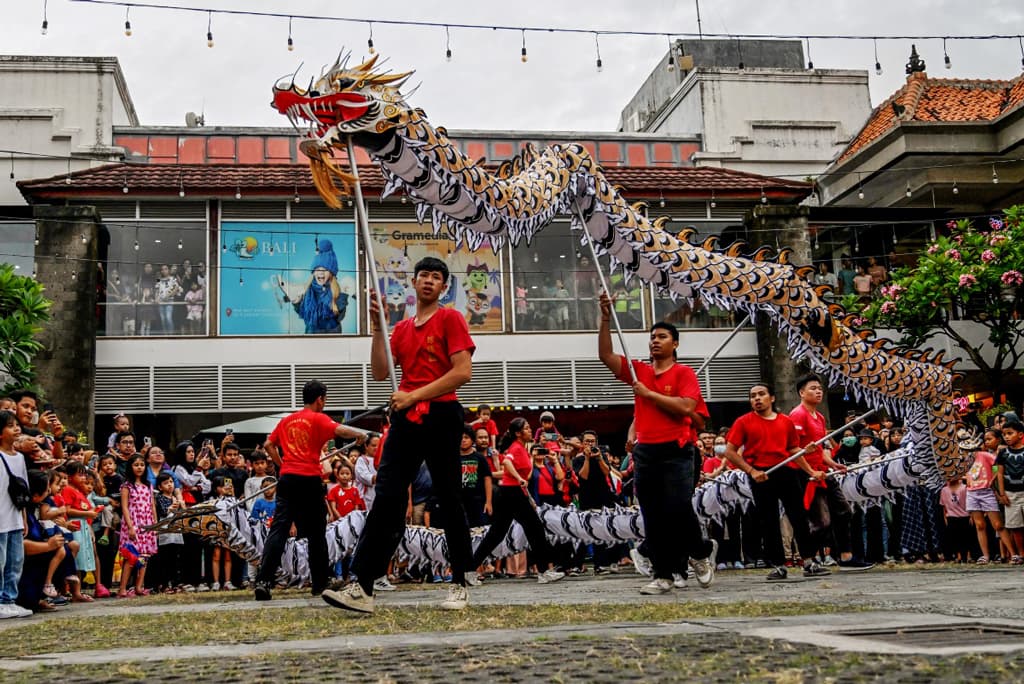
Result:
{"points": [[602, 571], [855, 565], [777, 573], [262, 592], [816, 569]]}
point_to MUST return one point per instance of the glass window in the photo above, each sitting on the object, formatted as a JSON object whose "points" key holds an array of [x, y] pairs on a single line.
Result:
{"points": [[17, 246], [557, 285], [156, 279], [686, 314], [297, 278]]}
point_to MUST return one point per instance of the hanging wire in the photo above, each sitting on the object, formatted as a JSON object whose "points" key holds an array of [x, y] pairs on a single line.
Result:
{"points": [[810, 62], [447, 45], [597, 46], [127, 22], [522, 53], [878, 64], [369, 41], [291, 43], [945, 55], [46, 23], [209, 30], [671, 64]]}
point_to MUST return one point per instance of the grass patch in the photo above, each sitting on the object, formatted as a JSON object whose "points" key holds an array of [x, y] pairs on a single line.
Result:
{"points": [[270, 624]]}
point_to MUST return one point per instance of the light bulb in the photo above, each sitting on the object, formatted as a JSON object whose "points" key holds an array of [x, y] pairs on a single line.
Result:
{"points": [[125, 189], [45, 27], [240, 280], [404, 199], [448, 55], [209, 39], [523, 58], [180, 245], [291, 44], [84, 240], [128, 28], [661, 203], [671, 66], [995, 176], [136, 246], [714, 204], [369, 46], [67, 181], [600, 65], [949, 62], [764, 198], [956, 190], [74, 276], [860, 194], [297, 198], [878, 68], [37, 239], [181, 193], [238, 193], [909, 193]]}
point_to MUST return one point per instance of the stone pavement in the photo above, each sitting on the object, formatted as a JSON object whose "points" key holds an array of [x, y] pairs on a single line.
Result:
{"points": [[927, 618]]}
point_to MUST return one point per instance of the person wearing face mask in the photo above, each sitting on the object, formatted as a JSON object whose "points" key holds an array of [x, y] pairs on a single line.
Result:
{"points": [[848, 448]]}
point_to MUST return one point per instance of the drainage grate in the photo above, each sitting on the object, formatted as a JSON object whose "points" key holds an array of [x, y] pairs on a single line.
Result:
{"points": [[943, 636]]}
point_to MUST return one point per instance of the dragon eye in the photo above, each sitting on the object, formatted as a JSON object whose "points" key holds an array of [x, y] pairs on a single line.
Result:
{"points": [[344, 83], [313, 93]]}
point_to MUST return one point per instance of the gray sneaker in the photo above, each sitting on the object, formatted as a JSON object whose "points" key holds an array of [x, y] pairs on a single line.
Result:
{"points": [[704, 568], [816, 569], [383, 584], [657, 586], [351, 598], [473, 579], [549, 576], [458, 598], [678, 581], [641, 563]]}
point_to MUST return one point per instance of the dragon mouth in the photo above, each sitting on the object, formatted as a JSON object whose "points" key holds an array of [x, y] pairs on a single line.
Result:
{"points": [[321, 119]]}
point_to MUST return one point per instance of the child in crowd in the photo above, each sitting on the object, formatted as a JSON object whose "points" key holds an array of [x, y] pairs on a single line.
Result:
{"points": [[263, 510], [484, 420], [958, 522], [255, 481], [222, 489], [122, 423], [868, 450], [343, 498], [169, 545], [138, 510], [194, 303], [77, 504], [1011, 486], [982, 503]]}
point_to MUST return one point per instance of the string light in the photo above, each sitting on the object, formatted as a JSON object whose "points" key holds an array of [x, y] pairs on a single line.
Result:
{"points": [[522, 53], [67, 179], [860, 187], [240, 280], [945, 55], [12, 166], [127, 22], [209, 30], [995, 176], [181, 184], [124, 188], [713, 202], [956, 190], [238, 192], [764, 197], [181, 245], [597, 46], [84, 239], [291, 43], [878, 64], [909, 192], [369, 41], [661, 200], [894, 240], [135, 246], [1020, 41], [671, 65], [810, 62], [447, 45], [46, 24]]}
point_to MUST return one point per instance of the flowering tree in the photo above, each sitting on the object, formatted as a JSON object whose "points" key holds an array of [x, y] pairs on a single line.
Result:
{"points": [[977, 272]]}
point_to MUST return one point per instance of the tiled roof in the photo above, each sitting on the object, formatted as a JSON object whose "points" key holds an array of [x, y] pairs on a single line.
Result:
{"points": [[278, 180], [939, 100]]}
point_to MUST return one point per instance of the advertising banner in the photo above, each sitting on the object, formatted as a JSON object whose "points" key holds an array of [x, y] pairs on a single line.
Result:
{"points": [[474, 287], [288, 279]]}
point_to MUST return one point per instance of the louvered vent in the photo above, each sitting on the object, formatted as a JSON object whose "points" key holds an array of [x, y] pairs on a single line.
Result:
{"points": [[392, 211], [122, 389], [595, 384], [188, 389], [173, 210], [344, 384], [254, 388], [695, 364], [268, 211], [315, 209], [487, 385], [539, 382], [730, 210], [377, 393], [680, 210], [114, 210], [731, 378]]}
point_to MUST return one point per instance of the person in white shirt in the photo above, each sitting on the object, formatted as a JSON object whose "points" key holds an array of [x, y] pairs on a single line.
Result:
{"points": [[12, 519]]}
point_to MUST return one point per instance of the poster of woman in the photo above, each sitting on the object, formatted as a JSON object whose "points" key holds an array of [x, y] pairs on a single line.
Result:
{"points": [[288, 279]]}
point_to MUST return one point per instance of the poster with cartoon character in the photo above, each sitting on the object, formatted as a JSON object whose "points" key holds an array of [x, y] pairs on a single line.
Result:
{"points": [[474, 287], [288, 279]]}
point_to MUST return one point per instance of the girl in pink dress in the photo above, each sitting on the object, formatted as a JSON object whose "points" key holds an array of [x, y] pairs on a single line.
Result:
{"points": [[138, 510]]}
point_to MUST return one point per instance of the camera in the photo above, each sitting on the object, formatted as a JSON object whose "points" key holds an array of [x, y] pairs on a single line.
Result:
{"points": [[543, 451]]}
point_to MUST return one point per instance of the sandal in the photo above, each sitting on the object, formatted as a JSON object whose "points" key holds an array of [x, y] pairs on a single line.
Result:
{"points": [[123, 594], [50, 590], [141, 591], [82, 598], [982, 560]]}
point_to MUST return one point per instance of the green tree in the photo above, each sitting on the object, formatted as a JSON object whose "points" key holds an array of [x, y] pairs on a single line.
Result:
{"points": [[977, 272], [23, 310]]}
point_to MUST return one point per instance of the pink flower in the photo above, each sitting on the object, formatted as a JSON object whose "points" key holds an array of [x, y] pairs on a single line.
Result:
{"points": [[933, 249], [996, 239], [859, 321], [988, 255], [953, 254], [888, 307], [1012, 278], [995, 223], [951, 224], [958, 239], [966, 280]]}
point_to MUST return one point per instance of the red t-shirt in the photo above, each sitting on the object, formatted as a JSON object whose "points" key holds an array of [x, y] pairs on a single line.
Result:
{"points": [[75, 501], [424, 352], [765, 442], [711, 464], [346, 500], [546, 481], [300, 438], [490, 426], [654, 426], [520, 461], [809, 428]]}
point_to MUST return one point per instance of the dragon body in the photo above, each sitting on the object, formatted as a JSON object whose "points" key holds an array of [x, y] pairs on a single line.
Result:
{"points": [[515, 201]]}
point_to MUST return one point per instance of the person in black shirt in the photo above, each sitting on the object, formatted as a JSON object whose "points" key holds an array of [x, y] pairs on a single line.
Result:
{"points": [[477, 483], [232, 468], [592, 471]]}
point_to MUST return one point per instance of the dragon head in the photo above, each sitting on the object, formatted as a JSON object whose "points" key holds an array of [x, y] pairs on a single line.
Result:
{"points": [[360, 101]]}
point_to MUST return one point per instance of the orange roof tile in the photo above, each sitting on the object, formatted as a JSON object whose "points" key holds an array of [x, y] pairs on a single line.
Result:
{"points": [[939, 100]]}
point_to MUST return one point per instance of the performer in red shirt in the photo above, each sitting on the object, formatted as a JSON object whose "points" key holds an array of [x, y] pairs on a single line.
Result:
{"points": [[767, 439], [828, 512], [295, 446], [435, 352], [665, 457]]}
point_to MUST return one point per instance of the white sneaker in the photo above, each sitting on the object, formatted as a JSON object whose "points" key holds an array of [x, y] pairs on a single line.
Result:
{"points": [[472, 579], [202, 587], [657, 586], [215, 586], [20, 612], [228, 586], [549, 576], [641, 563], [351, 598], [6, 611], [382, 584], [704, 568], [457, 599], [678, 581]]}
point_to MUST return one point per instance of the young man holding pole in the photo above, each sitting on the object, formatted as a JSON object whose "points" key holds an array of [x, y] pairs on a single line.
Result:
{"points": [[768, 439], [668, 405], [434, 350], [295, 446]]}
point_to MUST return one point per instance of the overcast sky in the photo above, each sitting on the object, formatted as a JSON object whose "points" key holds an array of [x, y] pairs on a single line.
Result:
{"points": [[171, 71]]}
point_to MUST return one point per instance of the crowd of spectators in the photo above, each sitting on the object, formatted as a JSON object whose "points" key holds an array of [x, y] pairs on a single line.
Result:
{"points": [[84, 535]]}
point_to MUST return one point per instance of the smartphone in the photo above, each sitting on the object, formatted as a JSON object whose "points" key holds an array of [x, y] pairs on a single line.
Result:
{"points": [[229, 431], [48, 408], [148, 441]]}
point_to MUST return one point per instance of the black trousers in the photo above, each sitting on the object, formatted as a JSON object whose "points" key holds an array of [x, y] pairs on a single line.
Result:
{"points": [[168, 566], [300, 500], [514, 504], [785, 486], [663, 482], [437, 440], [829, 519], [192, 570]]}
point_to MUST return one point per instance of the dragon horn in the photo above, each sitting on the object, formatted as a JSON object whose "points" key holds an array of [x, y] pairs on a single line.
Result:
{"points": [[368, 64]]}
